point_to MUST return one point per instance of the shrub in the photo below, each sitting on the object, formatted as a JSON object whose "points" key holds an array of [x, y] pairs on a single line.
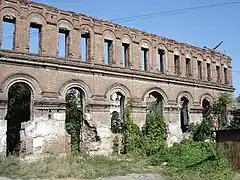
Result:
{"points": [[185, 154], [204, 130]]}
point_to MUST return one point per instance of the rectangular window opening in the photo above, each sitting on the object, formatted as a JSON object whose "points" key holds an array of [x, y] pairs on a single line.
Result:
{"points": [[8, 32], [161, 57], [218, 73], [208, 72], [35, 38], [108, 51], [85, 47], [188, 67], [63, 40], [177, 64], [125, 54], [144, 58], [199, 69], [225, 76]]}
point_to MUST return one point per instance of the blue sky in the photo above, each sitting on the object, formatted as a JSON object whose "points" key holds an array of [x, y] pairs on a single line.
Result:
{"points": [[203, 27]]}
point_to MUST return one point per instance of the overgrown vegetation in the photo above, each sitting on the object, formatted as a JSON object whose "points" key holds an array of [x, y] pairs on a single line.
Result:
{"points": [[74, 120], [191, 159]]}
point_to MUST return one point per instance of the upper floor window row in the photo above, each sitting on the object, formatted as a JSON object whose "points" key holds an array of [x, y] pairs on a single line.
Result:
{"points": [[35, 46]]}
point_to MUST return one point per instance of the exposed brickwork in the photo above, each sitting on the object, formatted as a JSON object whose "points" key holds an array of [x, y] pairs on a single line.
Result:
{"points": [[49, 76]]}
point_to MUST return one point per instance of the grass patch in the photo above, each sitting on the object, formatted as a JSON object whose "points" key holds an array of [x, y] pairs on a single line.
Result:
{"points": [[72, 167]]}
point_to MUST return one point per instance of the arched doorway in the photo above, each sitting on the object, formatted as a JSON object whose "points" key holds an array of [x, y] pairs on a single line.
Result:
{"points": [[117, 112], [184, 114], [155, 99], [75, 102], [207, 108], [19, 111]]}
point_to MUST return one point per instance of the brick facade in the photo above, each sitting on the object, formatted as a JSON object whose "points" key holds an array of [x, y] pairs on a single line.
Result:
{"points": [[50, 77]]}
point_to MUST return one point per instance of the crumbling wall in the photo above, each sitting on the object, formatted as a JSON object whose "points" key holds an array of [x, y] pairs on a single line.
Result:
{"points": [[45, 133], [3, 136]]}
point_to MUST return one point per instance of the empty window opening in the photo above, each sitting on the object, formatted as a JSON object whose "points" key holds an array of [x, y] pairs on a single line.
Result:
{"points": [[85, 47], [218, 73], [35, 38], [144, 58], [177, 64], [74, 116], [108, 51], [199, 66], [63, 42], [125, 55], [188, 67], [19, 103], [184, 114], [225, 76], [155, 100], [160, 61], [117, 116], [209, 72], [8, 32], [206, 105]]}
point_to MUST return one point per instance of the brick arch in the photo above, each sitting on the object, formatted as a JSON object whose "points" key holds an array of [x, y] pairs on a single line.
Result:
{"points": [[188, 54], [127, 37], [177, 51], [37, 15], [24, 78], [206, 96], [109, 34], [162, 46], [208, 59], [9, 11], [146, 41], [158, 90], [117, 87], [75, 84], [65, 23], [186, 94], [199, 57]]}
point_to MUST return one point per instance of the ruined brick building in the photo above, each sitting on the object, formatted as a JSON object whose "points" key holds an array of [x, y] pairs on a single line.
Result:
{"points": [[108, 64]]}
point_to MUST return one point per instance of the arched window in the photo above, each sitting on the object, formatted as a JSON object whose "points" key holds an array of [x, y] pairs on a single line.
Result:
{"points": [[19, 111], [117, 116]]}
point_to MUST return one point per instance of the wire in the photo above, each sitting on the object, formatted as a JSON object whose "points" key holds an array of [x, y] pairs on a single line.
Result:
{"points": [[168, 12], [163, 13]]}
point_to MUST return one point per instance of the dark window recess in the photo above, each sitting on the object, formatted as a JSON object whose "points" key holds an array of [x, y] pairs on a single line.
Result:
{"points": [[8, 32], [161, 59], [177, 64], [225, 76], [188, 67], [85, 47], [184, 115], [218, 73], [125, 54], [199, 65], [207, 108], [144, 58], [35, 38], [63, 42], [209, 78], [108, 52]]}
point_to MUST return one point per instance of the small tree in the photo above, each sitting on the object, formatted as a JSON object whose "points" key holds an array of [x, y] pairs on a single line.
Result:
{"points": [[132, 133], [154, 132]]}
